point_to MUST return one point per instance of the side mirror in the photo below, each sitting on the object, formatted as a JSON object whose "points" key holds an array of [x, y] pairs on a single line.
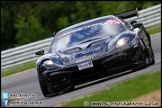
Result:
{"points": [[53, 34], [41, 52], [136, 25]]}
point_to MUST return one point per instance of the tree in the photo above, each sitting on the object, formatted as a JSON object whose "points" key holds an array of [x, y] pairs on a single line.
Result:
{"points": [[29, 30], [39, 19]]}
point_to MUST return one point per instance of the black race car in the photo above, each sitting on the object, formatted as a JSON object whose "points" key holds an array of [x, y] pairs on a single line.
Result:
{"points": [[91, 49]]}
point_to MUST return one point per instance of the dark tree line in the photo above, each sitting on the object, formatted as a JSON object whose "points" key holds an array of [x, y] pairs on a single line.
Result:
{"points": [[23, 22]]}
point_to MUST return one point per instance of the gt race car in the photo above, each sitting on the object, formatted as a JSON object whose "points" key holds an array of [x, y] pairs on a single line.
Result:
{"points": [[92, 49]]}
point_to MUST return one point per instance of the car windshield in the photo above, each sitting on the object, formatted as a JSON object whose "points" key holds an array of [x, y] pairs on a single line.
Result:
{"points": [[102, 28]]}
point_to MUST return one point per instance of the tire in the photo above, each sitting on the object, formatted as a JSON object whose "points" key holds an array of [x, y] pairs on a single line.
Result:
{"points": [[144, 59], [144, 53], [152, 53], [71, 88], [42, 84], [152, 57]]}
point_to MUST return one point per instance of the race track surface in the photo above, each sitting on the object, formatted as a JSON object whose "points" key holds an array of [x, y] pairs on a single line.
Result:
{"points": [[27, 82]]}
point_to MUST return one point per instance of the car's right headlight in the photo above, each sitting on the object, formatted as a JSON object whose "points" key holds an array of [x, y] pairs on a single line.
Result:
{"points": [[122, 41], [48, 63]]}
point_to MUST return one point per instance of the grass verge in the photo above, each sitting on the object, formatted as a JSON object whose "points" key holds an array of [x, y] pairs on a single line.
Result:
{"points": [[151, 30], [123, 91], [18, 69], [154, 29]]}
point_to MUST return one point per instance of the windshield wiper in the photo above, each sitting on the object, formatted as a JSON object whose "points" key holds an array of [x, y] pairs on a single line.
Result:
{"points": [[91, 39]]}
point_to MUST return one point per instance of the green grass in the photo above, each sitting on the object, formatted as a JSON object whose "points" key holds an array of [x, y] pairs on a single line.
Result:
{"points": [[123, 91], [18, 69], [154, 29], [151, 30]]}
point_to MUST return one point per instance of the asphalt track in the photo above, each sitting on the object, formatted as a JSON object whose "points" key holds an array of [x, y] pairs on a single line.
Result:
{"points": [[27, 82]]}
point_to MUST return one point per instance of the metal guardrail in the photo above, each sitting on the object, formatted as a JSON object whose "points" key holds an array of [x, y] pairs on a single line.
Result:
{"points": [[26, 53], [149, 17]]}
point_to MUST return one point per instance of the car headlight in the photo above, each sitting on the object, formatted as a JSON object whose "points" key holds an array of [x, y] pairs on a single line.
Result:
{"points": [[47, 63], [122, 41]]}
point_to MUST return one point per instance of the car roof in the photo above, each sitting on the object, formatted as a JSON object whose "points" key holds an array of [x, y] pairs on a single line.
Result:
{"points": [[84, 22]]}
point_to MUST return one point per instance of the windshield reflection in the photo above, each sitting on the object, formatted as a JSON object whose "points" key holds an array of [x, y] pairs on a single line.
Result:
{"points": [[89, 32]]}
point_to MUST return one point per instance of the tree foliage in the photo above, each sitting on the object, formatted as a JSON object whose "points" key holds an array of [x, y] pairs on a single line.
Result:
{"points": [[23, 22], [29, 29]]}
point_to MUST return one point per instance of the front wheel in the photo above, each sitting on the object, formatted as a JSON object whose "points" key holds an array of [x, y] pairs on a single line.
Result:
{"points": [[152, 57], [72, 88], [42, 84], [144, 65]]}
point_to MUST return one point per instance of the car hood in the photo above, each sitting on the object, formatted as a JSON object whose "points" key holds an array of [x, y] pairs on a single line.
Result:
{"points": [[88, 51]]}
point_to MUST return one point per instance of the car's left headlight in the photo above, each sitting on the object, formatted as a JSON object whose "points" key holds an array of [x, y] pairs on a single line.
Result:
{"points": [[122, 41]]}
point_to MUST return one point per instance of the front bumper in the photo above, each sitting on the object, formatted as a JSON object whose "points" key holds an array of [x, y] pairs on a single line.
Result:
{"points": [[116, 61]]}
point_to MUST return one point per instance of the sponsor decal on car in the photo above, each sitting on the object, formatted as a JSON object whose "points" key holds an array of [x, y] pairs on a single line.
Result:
{"points": [[112, 22], [87, 51]]}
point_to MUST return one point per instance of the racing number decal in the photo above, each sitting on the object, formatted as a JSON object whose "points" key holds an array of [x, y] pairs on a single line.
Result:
{"points": [[85, 65]]}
